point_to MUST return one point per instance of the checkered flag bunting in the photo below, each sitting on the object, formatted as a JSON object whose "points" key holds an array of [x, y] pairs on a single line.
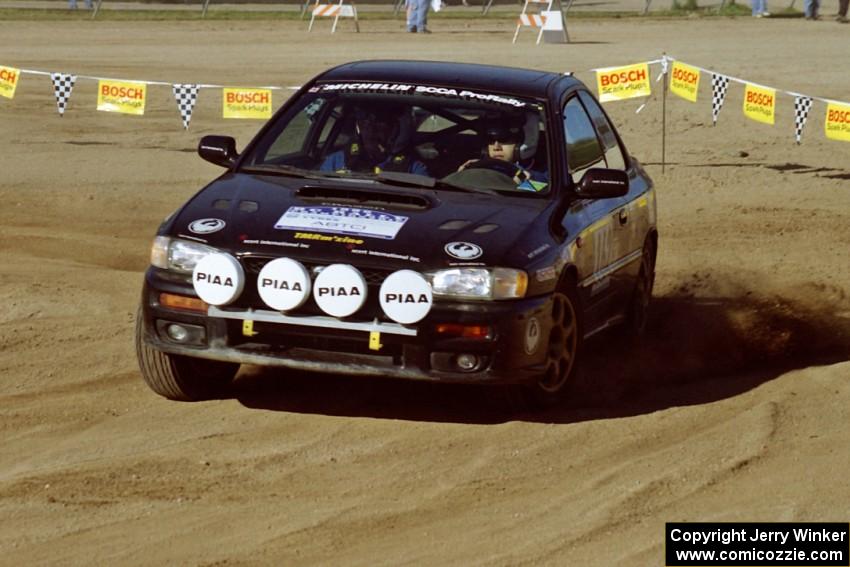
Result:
{"points": [[62, 86], [802, 105], [186, 96], [719, 84]]}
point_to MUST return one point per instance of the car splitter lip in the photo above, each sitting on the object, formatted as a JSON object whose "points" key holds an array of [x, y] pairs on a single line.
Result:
{"points": [[412, 352], [338, 363]]}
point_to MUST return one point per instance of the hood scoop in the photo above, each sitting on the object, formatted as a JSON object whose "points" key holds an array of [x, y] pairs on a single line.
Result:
{"points": [[363, 198]]}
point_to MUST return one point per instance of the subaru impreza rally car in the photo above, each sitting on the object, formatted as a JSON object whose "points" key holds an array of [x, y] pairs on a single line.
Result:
{"points": [[421, 220]]}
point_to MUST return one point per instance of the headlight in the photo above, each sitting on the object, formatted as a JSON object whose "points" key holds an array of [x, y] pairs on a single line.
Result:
{"points": [[479, 283], [177, 255]]}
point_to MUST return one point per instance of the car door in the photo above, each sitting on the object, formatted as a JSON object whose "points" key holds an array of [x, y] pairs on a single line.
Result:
{"points": [[601, 236], [635, 217]]}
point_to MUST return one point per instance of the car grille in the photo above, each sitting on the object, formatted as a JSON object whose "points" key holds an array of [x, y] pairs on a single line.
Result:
{"points": [[250, 298], [254, 264], [283, 338]]}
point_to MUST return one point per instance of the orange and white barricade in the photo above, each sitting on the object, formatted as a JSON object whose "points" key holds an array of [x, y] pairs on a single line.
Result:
{"points": [[548, 18], [532, 20], [335, 11]]}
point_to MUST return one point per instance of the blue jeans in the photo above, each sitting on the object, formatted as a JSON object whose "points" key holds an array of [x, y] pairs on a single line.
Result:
{"points": [[72, 4], [418, 15], [810, 7], [759, 7]]}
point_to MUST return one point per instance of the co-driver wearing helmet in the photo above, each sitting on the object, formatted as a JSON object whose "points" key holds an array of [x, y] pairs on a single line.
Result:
{"points": [[380, 144]]}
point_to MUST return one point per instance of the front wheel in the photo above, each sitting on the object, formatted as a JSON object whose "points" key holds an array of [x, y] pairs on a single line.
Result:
{"points": [[556, 382], [638, 308], [181, 378]]}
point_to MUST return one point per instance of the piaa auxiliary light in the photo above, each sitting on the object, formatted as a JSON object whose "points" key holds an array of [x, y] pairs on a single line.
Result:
{"points": [[339, 290]]}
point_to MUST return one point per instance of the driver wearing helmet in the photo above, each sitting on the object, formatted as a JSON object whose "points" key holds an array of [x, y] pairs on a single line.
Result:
{"points": [[381, 143], [504, 142]]}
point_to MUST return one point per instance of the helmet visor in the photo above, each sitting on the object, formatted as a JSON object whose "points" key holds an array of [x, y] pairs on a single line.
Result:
{"points": [[503, 135]]}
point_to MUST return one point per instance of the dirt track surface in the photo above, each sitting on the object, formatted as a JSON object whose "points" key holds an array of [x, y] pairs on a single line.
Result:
{"points": [[735, 408]]}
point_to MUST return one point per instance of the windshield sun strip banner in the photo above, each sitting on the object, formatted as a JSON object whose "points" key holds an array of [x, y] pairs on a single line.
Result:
{"points": [[402, 88]]}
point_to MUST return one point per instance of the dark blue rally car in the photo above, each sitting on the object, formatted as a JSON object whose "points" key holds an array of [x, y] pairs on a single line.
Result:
{"points": [[430, 221]]}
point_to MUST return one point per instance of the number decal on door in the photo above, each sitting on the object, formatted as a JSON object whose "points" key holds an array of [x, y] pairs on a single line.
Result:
{"points": [[603, 247]]}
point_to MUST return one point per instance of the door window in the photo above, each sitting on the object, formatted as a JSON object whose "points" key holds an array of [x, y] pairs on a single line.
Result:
{"points": [[583, 148], [613, 152]]}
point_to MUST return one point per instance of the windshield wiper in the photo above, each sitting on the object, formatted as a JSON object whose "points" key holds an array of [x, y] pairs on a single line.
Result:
{"points": [[282, 170], [389, 177], [415, 180], [402, 179], [466, 188], [408, 179]]}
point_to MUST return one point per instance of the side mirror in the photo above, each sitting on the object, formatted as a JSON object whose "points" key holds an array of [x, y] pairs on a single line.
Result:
{"points": [[220, 150], [599, 183]]}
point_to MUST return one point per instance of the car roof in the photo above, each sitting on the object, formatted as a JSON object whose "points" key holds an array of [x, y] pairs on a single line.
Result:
{"points": [[520, 82]]}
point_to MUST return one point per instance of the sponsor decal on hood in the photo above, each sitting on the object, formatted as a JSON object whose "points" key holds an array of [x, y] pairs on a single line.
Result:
{"points": [[206, 226], [342, 220], [463, 250]]}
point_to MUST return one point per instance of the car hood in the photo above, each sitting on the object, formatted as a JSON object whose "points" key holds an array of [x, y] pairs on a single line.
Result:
{"points": [[363, 222]]}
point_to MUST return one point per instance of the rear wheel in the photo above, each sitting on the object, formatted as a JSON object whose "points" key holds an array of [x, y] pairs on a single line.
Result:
{"points": [[181, 378], [555, 383]]}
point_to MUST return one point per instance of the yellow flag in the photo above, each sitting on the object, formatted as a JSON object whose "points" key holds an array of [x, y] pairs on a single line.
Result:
{"points": [[618, 83], [120, 96], [837, 125], [247, 103], [9, 81], [760, 103], [684, 81]]}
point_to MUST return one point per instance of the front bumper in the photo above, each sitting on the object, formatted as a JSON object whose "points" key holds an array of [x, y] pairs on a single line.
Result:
{"points": [[247, 334]]}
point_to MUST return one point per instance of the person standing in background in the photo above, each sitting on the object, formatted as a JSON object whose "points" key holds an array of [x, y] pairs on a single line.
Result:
{"points": [[72, 4], [842, 11], [410, 8], [760, 8], [810, 8], [417, 15]]}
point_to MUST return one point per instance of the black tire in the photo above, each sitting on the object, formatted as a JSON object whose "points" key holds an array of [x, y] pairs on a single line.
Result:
{"points": [[637, 311], [564, 347], [182, 378]]}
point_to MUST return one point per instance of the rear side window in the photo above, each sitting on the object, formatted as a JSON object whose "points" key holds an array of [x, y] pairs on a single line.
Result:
{"points": [[583, 148], [613, 152]]}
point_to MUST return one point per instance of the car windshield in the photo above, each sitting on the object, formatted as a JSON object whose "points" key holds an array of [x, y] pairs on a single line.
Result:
{"points": [[411, 135]]}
